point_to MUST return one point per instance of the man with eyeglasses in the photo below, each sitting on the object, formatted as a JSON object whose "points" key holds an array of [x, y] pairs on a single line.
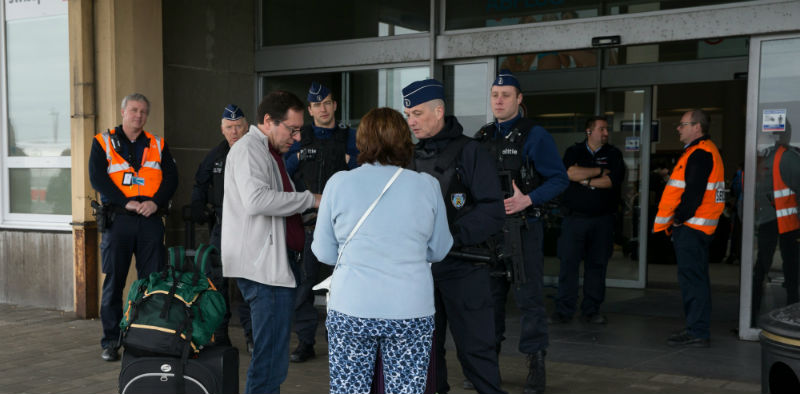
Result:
{"points": [[263, 230], [690, 206], [323, 150]]}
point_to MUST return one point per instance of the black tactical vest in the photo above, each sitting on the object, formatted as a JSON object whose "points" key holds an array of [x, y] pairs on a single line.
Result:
{"points": [[445, 166], [217, 182], [509, 156], [217, 189], [320, 158]]}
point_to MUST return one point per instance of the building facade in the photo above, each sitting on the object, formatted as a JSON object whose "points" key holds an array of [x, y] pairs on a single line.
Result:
{"points": [[638, 62]]}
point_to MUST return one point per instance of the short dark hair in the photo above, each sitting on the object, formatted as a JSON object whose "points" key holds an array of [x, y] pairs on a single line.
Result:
{"points": [[591, 121], [383, 136], [700, 116], [277, 104]]}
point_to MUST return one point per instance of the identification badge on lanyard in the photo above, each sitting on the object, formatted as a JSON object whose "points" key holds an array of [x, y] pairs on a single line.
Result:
{"points": [[138, 181], [127, 179]]}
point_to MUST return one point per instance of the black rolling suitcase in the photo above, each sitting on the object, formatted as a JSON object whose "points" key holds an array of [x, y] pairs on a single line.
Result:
{"points": [[215, 371]]}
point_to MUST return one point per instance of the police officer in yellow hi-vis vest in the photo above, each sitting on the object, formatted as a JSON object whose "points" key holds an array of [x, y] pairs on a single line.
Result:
{"points": [[136, 176], [690, 206]]}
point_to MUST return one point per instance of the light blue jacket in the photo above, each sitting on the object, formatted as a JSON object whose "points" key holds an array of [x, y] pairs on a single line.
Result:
{"points": [[384, 271]]}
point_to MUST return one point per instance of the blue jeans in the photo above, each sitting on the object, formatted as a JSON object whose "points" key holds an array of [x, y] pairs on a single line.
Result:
{"points": [[271, 311], [691, 254]]}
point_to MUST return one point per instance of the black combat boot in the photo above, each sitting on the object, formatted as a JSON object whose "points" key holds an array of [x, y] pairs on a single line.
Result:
{"points": [[536, 375]]}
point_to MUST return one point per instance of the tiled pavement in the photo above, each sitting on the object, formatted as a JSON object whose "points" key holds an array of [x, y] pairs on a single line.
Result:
{"points": [[45, 351]]}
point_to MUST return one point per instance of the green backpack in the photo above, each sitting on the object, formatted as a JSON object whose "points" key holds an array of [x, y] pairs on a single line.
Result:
{"points": [[176, 310]]}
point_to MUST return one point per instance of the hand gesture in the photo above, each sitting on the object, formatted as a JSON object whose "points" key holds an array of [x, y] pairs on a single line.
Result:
{"points": [[517, 202]]}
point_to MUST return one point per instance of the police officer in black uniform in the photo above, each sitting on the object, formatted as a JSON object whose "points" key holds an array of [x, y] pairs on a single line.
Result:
{"points": [[209, 189], [324, 149], [531, 174], [472, 195], [596, 170]]}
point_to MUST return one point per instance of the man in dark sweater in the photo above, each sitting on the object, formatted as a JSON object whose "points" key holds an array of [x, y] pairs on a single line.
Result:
{"points": [[596, 171]]}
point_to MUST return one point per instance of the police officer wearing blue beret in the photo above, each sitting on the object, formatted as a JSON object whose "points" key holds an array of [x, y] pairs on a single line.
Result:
{"points": [[208, 190], [471, 191], [531, 174], [324, 149]]}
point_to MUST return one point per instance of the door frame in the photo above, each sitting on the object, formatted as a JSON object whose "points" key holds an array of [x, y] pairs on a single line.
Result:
{"points": [[750, 157]]}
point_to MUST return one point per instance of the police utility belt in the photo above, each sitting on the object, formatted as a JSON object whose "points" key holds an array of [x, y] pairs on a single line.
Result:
{"points": [[502, 252], [106, 213]]}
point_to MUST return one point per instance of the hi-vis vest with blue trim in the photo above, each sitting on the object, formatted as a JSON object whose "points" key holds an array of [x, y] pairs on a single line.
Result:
{"points": [[118, 167], [785, 198], [707, 214]]}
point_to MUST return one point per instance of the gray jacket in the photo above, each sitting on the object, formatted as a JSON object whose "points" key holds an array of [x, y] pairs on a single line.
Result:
{"points": [[256, 207]]}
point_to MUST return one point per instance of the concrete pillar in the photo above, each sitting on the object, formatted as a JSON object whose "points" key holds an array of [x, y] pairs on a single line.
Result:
{"points": [[115, 50]]}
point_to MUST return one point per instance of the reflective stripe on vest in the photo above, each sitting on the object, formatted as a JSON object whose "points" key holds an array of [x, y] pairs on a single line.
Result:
{"points": [[149, 173], [709, 185], [707, 214], [785, 199]]}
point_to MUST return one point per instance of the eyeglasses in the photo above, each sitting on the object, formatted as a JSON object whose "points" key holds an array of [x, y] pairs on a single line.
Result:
{"points": [[294, 130], [684, 124]]}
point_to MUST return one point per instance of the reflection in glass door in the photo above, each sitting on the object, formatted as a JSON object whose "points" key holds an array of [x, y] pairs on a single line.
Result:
{"points": [[628, 114], [467, 92], [770, 245]]}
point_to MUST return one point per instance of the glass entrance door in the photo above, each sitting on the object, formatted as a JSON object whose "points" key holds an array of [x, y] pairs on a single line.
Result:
{"points": [[770, 239], [628, 112], [631, 129]]}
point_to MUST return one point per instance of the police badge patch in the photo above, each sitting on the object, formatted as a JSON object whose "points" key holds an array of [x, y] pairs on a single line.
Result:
{"points": [[458, 200]]}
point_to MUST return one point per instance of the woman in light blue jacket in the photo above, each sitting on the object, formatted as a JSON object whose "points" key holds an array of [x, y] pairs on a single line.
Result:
{"points": [[382, 288]]}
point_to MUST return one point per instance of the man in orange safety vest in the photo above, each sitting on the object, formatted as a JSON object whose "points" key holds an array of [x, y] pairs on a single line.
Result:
{"points": [[690, 206]]}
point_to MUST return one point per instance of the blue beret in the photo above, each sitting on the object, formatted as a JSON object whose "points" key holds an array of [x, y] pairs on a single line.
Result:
{"points": [[506, 78], [423, 91], [232, 112], [317, 92]]}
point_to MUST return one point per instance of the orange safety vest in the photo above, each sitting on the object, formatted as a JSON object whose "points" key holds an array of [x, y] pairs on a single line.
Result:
{"points": [[707, 214], [785, 199], [132, 183]]}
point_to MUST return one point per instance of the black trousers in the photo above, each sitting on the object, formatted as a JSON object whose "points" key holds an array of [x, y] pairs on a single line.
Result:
{"points": [[306, 317], [244, 308], [128, 235], [529, 297], [464, 301], [591, 240], [691, 255], [768, 240]]}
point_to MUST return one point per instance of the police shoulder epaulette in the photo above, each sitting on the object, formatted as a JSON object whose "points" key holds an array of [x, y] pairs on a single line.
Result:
{"points": [[482, 131]]}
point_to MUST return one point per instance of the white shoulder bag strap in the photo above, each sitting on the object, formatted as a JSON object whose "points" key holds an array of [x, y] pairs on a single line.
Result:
{"points": [[369, 210]]}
